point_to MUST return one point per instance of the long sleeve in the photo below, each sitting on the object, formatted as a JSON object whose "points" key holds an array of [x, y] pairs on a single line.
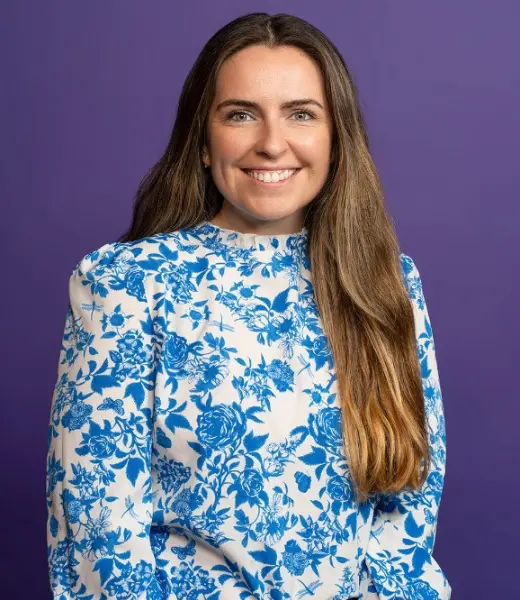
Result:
{"points": [[399, 561], [99, 486]]}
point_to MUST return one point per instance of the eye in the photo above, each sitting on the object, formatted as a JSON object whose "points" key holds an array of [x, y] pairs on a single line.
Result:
{"points": [[235, 113], [305, 112]]}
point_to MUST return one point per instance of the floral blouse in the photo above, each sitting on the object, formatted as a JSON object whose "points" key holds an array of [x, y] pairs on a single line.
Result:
{"points": [[195, 447]]}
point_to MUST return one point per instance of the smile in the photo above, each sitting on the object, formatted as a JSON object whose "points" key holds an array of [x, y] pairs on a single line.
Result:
{"points": [[271, 177]]}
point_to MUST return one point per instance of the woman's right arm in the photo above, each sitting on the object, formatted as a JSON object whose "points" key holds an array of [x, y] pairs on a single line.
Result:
{"points": [[99, 486]]}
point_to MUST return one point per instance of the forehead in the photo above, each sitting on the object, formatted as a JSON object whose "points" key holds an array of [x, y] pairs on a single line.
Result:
{"points": [[261, 72]]}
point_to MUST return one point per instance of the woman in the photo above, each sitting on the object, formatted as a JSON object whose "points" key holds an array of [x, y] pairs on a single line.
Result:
{"points": [[248, 403]]}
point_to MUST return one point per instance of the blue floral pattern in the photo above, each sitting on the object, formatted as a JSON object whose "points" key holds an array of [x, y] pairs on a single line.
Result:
{"points": [[195, 439]]}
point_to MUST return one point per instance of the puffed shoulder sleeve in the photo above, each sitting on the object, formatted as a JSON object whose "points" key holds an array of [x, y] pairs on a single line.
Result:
{"points": [[99, 486], [399, 554]]}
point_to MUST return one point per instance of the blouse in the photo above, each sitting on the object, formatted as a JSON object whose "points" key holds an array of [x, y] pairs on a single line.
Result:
{"points": [[195, 441]]}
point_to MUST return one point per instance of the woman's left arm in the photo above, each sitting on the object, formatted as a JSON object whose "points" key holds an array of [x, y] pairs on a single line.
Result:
{"points": [[399, 562]]}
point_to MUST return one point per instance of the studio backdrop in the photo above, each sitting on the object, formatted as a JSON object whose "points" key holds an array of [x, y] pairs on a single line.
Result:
{"points": [[88, 98]]}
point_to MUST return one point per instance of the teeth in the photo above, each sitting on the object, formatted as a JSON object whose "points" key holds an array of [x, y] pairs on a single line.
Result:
{"points": [[271, 176]]}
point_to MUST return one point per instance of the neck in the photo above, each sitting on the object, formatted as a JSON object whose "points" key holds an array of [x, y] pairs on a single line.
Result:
{"points": [[237, 221]]}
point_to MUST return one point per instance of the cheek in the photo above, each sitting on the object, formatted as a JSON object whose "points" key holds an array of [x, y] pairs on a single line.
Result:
{"points": [[228, 148], [315, 148]]}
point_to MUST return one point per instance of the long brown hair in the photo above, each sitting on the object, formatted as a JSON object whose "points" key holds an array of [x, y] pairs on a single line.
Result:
{"points": [[354, 254]]}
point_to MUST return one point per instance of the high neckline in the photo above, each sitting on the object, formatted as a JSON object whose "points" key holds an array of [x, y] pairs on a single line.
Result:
{"points": [[252, 241]]}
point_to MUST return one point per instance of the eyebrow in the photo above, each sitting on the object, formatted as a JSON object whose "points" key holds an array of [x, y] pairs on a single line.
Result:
{"points": [[255, 105]]}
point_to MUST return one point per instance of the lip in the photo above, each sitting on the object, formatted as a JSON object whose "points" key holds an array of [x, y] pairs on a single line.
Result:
{"points": [[271, 184]]}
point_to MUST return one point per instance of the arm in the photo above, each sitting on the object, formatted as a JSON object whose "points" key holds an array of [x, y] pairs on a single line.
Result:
{"points": [[399, 561], [99, 486]]}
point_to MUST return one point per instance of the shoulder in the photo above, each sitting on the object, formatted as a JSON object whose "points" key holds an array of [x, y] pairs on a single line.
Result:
{"points": [[144, 255], [411, 277], [408, 267], [125, 266]]}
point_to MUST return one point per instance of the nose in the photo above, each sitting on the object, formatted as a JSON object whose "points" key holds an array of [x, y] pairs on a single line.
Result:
{"points": [[272, 138]]}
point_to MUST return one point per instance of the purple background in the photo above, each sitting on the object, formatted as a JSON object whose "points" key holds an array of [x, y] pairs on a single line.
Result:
{"points": [[88, 98]]}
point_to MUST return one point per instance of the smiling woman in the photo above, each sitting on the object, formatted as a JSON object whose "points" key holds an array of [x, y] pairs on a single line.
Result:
{"points": [[253, 127], [248, 402]]}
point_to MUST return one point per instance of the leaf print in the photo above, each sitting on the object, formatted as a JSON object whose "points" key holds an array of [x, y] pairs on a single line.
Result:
{"points": [[175, 420], [316, 457], [411, 527], [134, 466], [280, 303], [252, 442], [266, 557]]}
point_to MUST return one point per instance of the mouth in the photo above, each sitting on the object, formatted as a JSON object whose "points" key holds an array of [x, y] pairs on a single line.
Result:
{"points": [[271, 178]]}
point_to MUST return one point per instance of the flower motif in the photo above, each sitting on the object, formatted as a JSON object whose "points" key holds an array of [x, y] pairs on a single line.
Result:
{"points": [[177, 280], [72, 506], [273, 467], [228, 300], [130, 346], [128, 588], [101, 446], [190, 582], [55, 473], [172, 474], [272, 528], [435, 482], [318, 349], [176, 352], [212, 373], [285, 326], [123, 261], [319, 346], [326, 429], [256, 321], [221, 426], [420, 590], [252, 482], [185, 502], [134, 283], [281, 374], [295, 560], [339, 488], [286, 260], [62, 563], [80, 339], [77, 416], [117, 319], [99, 540], [249, 487]]}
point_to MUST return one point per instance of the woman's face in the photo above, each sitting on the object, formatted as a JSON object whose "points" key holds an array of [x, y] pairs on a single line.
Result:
{"points": [[251, 128]]}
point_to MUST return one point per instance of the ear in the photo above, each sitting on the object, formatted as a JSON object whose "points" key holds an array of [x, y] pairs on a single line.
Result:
{"points": [[205, 156]]}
